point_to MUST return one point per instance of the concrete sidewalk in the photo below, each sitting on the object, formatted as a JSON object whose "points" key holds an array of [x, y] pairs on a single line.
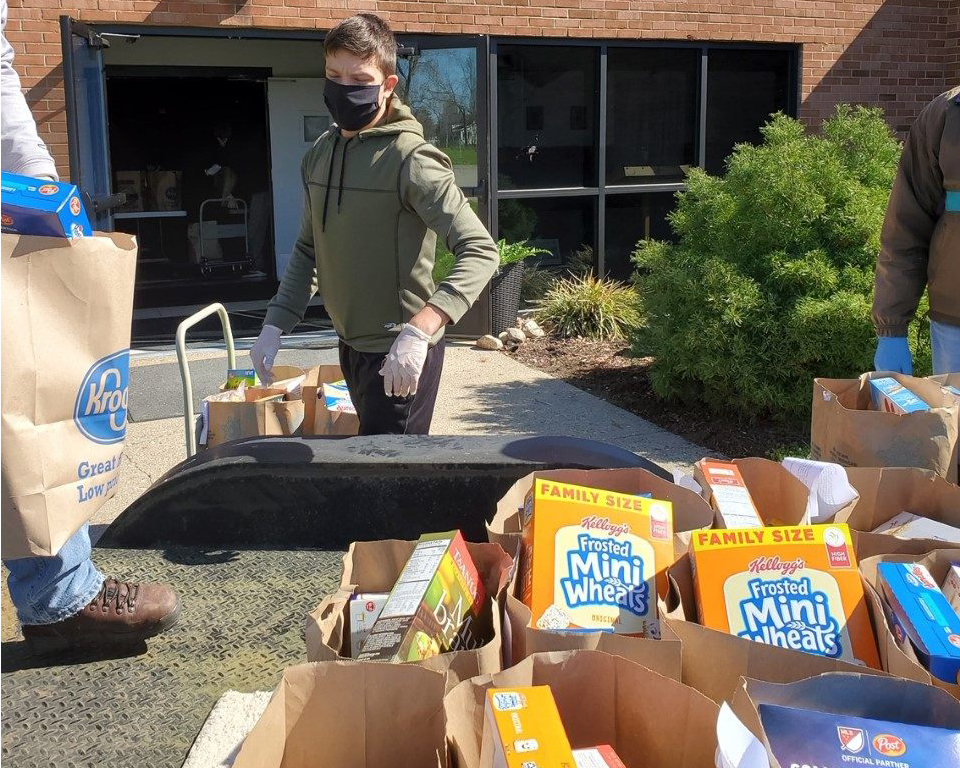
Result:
{"points": [[481, 393]]}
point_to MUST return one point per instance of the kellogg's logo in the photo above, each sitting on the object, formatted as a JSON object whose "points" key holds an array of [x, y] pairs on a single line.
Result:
{"points": [[75, 205], [891, 746], [6, 219], [101, 409], [48, 189]]}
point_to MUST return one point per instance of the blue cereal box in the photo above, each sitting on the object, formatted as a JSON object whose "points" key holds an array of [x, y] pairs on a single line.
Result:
{"points": [[891, 396], [336, 397], [43, 208], [922, 613], [803, 737]]}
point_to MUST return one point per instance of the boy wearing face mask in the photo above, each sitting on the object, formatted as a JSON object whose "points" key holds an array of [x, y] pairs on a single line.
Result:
{"points": [[377, 195]]}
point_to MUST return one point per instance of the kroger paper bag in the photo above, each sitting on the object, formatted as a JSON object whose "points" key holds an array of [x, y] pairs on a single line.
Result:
{"points": [[66, 314], [650, 720], [374, 566], [317, 418], [350, 714], [846, 430]]}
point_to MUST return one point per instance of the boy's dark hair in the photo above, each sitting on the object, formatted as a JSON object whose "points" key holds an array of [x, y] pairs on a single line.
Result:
{"points": [[368, 37]]}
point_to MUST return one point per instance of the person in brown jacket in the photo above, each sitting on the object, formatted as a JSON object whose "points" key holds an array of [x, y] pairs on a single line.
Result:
{"points": [[920, 242]]}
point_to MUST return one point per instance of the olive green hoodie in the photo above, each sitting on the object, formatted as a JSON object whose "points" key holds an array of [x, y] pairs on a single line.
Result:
{"points": [[374, 205]]}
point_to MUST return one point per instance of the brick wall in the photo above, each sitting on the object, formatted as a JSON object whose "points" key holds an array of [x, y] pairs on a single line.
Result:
{"points": [[894, 54]]}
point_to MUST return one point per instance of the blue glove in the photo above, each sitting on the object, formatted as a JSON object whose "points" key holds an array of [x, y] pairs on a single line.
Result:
{"points": [[893, 354]]}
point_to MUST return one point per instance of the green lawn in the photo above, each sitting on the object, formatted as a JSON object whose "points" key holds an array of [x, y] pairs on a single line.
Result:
{"points": [[461, 155]]}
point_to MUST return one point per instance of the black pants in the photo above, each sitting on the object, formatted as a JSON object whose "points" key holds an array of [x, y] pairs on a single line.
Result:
{"points": [[382, 415]]}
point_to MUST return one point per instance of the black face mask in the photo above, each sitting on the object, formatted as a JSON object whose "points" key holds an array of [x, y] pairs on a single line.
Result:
{"points": [[352, 106]]}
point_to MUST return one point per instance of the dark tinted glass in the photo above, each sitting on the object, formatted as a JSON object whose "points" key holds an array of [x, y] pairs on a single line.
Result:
{"points": [[743, 89], [547, 116], [631, 218], [652, 105], [563, 226]]}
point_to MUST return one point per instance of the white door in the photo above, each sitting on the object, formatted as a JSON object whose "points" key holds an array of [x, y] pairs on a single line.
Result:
{"points": [[297, 118]]}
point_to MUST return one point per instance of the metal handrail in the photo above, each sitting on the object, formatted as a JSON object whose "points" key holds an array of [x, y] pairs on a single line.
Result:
{"points": [[196, 317]]}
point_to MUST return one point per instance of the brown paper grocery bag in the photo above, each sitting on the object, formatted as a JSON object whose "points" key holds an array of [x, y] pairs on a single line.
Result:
{"points": [[350, 714], [885, 493], [847, 431], [897, 657], [264, 412], [317, 420], [66, 313], [650, 720], [690, 511], [374, 566], [877, 698]]}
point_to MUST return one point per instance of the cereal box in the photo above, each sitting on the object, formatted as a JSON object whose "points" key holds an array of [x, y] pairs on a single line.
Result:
{"points": [[795, 587], [906, 525], [603, 756], [891, 396], [336, 396], [922, 613], [951, 587], [594, 559], [524, 728], [803, 737], [432, 607], [729, 495], [365, 608]]}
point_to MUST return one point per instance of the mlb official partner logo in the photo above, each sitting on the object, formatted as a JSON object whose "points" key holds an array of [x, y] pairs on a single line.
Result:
{"points": [[852, 740], [100, 412]]}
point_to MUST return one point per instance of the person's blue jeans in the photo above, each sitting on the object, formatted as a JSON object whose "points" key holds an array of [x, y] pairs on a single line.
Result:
{"points": [[945, 340], [46, 590]]}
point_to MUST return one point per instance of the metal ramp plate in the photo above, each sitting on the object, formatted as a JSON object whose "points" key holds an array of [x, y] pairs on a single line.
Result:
{"points": [[242, 623]]}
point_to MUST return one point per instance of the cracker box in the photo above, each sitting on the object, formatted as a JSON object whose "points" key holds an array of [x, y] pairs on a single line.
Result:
{"points": [[803, 737], [891, 396], [524, 729], [729, 496], [43, 208], [603, 756], [336, 397], [433, 605], [906, 525], [795, 587], [365, 608], [951, 587], [594, 559], [238, 376], [922, 613]]}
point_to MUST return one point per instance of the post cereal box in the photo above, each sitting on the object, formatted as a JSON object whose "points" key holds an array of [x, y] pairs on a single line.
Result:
{"points": [[524, 729], [594, 559], [433, 605], [794, 587]]}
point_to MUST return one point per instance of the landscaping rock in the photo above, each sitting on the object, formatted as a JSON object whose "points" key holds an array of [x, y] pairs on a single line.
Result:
{"points": [[513, 337], [531, 329], [489, 342]]}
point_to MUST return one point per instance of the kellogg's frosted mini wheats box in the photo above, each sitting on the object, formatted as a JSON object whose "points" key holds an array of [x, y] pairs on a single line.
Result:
{"points": [[795, 587], [42, 208], [594, 559]]}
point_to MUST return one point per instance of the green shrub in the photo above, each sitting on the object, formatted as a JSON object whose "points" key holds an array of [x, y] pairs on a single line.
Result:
{"points": [[770, 282], [511, 253], [585, 306]]}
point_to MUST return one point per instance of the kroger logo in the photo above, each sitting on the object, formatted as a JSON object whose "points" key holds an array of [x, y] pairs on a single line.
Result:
{"points": [[101, 409]]}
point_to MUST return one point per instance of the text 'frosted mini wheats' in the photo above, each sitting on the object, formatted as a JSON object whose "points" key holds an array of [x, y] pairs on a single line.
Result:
{"points": [[594, 559], [794, 587]]}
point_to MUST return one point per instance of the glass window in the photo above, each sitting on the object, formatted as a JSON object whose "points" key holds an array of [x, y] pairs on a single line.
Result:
{"points": [[652, 106], [547, 116], [440, 86], [743, 89], [630, 219], [563, 226]]}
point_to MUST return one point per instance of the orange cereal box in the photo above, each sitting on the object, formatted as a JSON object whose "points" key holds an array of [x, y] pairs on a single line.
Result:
{"points": [[524, 729], [794, 587], [594, 559]]}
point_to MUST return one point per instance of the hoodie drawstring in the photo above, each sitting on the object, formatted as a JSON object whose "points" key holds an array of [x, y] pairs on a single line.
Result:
{"points": [[326, 194], [343, 170]]}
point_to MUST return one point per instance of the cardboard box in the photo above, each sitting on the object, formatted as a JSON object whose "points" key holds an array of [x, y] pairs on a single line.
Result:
{"points": [[805, 737], [891, 396], [336, 397], [43, 208], [131, 184], [794, 587], [524, 729], [907, 525], [433, 605], [603, 756], [922, 613], [365, 608], [951, 587], [164, 190], [729, 495], [594, 559]]}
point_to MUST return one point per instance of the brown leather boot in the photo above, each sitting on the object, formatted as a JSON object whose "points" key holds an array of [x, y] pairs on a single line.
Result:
{"points": [[121, 613]]}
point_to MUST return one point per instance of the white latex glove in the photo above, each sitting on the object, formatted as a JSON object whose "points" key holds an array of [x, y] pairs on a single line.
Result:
{"points": [[264, 352], [404, 363]]}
